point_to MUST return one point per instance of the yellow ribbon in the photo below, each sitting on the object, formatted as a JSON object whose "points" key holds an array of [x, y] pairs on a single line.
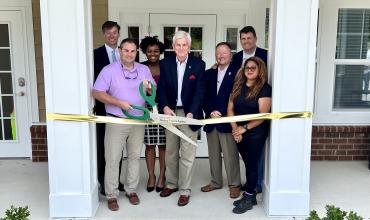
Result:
{"points": [[114, 120]]}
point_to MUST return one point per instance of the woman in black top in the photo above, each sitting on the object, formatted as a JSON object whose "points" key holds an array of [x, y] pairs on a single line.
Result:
{"points": [[251, 94]]}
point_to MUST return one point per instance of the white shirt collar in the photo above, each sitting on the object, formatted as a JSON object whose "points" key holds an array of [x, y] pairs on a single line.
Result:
{"points": [[178, 61]]}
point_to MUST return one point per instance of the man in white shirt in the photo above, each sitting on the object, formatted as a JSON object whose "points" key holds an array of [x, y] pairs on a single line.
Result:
{"points": [[218, 86]]}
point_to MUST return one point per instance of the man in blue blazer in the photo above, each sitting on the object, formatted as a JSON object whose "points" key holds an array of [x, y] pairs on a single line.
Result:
{"points": [[248, 40], [180, 92], [104, 55], [218, 87]]}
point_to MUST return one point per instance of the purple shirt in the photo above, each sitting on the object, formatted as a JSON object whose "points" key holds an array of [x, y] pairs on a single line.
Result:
{"points": [[123, 84]]}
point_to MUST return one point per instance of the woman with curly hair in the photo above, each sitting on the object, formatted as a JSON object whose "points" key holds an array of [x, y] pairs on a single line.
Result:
{"points": [[154, 134], [251, 94]]}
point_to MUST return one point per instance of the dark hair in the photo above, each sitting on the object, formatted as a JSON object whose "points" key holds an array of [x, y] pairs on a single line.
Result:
{"points": [[241, 79], [150, 41], [223, 44], [128, 40], [247, 29], [109, 25]]}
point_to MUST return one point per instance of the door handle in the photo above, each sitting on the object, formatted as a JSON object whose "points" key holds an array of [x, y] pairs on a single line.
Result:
{"points": [[19, 93]]}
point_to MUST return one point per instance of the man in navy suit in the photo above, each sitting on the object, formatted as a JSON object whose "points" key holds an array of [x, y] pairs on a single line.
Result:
{"points": [[248, 40], [104, 55], [218, 87], [180, 92]]}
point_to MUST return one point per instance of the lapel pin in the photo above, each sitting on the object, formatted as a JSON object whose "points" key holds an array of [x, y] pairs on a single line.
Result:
{"points": [[189, 67], [229, 73]]}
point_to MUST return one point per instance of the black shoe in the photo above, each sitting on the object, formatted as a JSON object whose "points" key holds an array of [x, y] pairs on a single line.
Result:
{"points": [[121, 187], [159, 189], [254, 200], [244, 205]]}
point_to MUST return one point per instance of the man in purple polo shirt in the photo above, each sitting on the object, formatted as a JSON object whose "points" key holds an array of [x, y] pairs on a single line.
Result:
{"points": [[117, 86]]}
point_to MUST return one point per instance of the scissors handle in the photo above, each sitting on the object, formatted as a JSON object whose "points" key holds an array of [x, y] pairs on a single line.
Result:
{"points": [[149, 99], [145, 116]]}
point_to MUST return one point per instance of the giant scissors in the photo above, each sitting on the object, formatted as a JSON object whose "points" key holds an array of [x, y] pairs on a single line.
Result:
{"points": [[166, 121]]}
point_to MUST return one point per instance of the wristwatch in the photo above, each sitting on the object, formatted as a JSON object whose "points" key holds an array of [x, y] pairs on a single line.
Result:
{"points": [[245, 126]]}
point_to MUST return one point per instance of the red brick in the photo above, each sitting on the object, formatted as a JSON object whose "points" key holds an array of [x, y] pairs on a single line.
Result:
{"points": [[359, 157], [345, 146], [43, 159], [364, 152], [354, 140], [353, 152], [314, 140], [321, 134], [317, 157], [345, 158], [340, 140], [360, 135], [314, 152], [331, 146], [341, 152], [326, 152], [361, 146], [315, 129], [331, 158], [325, 140], [346, 135], [317, 146], [332, 135]]}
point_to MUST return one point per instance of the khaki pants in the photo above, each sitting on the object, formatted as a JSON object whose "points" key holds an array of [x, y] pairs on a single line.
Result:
{"points": [[223, 143], [117, 139], [180, 156]]}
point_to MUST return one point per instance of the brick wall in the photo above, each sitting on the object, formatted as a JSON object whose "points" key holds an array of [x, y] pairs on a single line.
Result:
{"points": [[39, 143], [340, 143]]}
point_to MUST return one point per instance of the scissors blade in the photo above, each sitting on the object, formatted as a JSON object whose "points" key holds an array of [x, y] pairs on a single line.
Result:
{"points": [[176, 131], [167, 119]]}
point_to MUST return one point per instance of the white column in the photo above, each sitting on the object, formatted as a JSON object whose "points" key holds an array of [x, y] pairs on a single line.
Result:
{"points": [[292, 70], [67, 53]]}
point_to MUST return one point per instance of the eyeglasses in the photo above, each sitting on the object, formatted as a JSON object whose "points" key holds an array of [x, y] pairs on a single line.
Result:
{"points": [[129, 75], [250, 68]]}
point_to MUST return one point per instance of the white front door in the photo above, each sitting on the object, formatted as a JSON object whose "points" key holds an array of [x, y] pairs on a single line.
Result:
{"points": [[14, 122], [202, 29]]}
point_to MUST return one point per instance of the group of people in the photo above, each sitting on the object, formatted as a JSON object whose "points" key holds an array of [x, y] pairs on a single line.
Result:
{"points": [[235, 85]]}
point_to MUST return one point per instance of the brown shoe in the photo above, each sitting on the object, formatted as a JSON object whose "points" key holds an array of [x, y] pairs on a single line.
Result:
{"points": [[167, 192], [133, 198], [234, 191], [208, 188], [112, 204], [183, 200]]}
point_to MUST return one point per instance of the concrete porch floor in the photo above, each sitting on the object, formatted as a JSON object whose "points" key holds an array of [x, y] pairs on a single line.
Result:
{"points": [[343, 184]]}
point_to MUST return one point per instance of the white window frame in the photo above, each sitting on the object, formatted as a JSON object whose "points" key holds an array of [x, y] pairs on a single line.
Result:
{"points": [[324, 112]]}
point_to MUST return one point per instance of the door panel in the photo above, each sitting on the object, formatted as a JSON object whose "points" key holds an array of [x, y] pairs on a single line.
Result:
{"points": [[14, 126]]}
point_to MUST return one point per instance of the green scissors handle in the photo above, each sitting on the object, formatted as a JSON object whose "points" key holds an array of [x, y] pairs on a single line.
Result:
{"points": [[149, 99]]}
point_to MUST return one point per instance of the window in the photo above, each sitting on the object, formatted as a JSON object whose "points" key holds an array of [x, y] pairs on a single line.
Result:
{"points": [[352, 60], [267, 26], [134, 33], [232, 38]]}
